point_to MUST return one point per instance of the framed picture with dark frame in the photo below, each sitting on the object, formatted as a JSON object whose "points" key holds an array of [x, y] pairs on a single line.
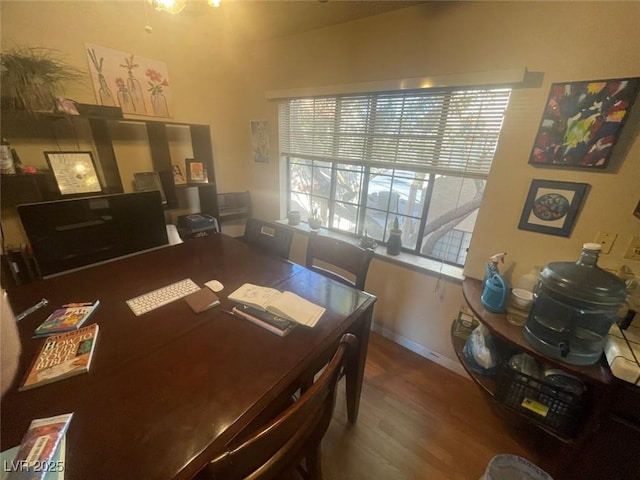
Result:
{"points": [[552, 207], [75, 172], [582, 121], [196, 171]]}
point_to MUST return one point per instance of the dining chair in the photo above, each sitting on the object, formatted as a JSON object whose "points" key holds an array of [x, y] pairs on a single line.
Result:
{"points": [[336, 259], [268, 236], [289, 445]]}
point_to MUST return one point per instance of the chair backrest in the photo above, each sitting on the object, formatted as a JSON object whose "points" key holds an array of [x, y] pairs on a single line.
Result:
{"points": [[234, 206], [280, 446], [268, 236], [331, 257]]}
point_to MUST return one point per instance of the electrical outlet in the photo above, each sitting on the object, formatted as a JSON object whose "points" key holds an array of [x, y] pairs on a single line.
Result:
{"points": [[606, 239], [633, 252]]}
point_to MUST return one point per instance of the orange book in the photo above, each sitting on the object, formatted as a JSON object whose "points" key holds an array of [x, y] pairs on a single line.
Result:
{"points": [[62, 356]]}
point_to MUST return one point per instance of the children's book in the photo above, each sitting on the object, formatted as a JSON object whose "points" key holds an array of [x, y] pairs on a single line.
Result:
{"points": [[53, 470], [284, 304], [274, 323], [62, 356], [70, 317], [41, 453]]}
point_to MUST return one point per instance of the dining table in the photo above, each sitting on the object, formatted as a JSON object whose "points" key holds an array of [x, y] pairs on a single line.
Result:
{"points": [[170, 389]]}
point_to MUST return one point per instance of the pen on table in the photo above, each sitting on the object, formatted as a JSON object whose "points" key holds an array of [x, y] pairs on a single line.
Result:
{"points": [[229, 312], [30, 310]]}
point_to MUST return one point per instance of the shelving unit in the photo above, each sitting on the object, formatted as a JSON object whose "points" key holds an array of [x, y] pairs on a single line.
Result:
{"points": [[26, 188], [25, 125], [612, 421]]}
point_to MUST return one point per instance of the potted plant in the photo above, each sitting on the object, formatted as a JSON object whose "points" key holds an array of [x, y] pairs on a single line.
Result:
{"points": [[394, 244], [32, 78], [315, 221]]}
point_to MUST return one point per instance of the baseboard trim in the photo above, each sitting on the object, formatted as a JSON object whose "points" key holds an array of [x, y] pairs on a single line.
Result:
{"points": [[421, 350]]}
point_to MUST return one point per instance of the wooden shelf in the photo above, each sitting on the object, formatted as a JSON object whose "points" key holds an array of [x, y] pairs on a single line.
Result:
{"points": [[26, 188], [611, 425], [20, 124], [488, 386], [598, 377], [498, 325]]}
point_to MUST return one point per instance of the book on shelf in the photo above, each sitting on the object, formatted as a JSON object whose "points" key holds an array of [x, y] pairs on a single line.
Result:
{"points": [[284, 304], [67, 318], [62, 356], [274, 323], [41, 453]]}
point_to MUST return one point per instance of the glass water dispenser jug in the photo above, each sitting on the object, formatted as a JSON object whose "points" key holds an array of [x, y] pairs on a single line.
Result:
{"points": [[573, 309]]}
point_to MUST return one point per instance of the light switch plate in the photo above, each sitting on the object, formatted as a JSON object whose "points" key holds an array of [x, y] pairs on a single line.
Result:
{"points": [[606, 239], [633, 252]]}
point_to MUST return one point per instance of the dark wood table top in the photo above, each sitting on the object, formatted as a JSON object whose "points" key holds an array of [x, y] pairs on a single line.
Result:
{"points": [[170, 388]]}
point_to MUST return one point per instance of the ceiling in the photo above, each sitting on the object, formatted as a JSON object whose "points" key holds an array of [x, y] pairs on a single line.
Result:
{"points": [[278, 18]]}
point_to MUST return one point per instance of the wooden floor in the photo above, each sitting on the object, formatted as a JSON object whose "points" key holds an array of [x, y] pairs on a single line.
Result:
{"points": [[419, 420]]}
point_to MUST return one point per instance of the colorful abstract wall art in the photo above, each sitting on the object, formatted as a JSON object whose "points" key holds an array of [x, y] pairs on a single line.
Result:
{"points": [[582, 122]]}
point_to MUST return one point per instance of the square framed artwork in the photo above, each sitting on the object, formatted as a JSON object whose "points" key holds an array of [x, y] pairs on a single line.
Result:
{"points": [[196, 171], [75, 172], [582, 121], [552, 207]]}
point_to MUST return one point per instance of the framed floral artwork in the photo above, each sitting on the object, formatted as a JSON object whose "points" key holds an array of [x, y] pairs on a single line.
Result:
{"points": [[138, 85], [196, 171], [75, 172], [552, 207], [582, 122]]}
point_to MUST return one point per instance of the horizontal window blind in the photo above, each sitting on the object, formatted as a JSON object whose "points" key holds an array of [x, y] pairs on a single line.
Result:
{"points": [[452, 132]]}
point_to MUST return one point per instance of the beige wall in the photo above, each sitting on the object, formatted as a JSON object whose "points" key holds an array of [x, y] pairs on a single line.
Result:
{"points": [[219, 81]]}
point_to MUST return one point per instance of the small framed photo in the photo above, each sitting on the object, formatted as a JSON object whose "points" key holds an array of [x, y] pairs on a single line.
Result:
{"points": [[178, 176], [75, 172], [196, 171], [552, 207]]}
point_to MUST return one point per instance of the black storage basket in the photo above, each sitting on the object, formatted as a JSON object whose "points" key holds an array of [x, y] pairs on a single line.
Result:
{"points": [[558, 409]]}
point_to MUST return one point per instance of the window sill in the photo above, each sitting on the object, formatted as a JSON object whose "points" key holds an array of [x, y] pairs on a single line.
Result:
{"points": [[407, 260]]}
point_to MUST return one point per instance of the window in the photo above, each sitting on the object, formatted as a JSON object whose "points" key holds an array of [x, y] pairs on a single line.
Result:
{"points": [[421, 157]]}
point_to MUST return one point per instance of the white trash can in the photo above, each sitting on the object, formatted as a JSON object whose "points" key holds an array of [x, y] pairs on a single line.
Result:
{"points": [[513, 467]]}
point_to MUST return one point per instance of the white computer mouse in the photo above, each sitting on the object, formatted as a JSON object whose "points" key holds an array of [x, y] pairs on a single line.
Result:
{"points": [[214, 285]]}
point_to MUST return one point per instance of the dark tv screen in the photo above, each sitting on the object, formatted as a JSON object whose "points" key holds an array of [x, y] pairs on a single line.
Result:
{"points": [[73, 233]]}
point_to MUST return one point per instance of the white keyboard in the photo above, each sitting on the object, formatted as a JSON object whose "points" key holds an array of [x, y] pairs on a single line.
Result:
{"points": [[162, 296]]}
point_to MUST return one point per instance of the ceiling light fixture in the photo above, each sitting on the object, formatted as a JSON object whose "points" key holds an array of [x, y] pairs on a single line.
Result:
{"points": [[171, 6], [176, 6]]}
